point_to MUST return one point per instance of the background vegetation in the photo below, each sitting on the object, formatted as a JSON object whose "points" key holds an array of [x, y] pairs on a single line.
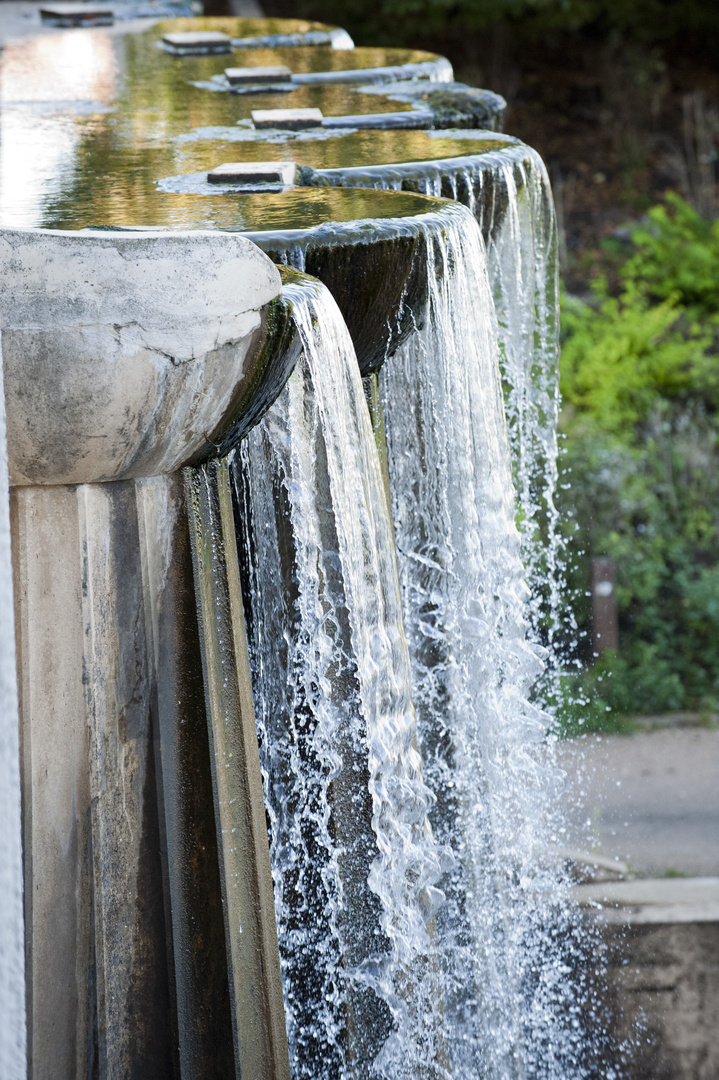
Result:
{"points": [[640, 384]]}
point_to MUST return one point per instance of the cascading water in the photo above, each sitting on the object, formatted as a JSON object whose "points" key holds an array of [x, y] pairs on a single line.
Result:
{"points": [[523, 270], [481, 990], [508, 191], [506, 997], [354, 860]]}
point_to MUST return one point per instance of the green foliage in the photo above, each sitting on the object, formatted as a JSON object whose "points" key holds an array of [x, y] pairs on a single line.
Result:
{"points": [[677, 257], [640, 383]]}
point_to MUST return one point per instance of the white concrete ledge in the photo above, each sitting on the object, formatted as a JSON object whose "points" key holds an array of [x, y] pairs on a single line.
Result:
{"points": [[652, 900]]}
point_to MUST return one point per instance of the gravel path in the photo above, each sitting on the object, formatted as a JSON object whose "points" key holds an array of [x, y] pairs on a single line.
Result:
{"points": [[650, 799]]}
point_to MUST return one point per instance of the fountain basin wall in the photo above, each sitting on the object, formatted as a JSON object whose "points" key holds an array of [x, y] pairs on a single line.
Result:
{"points": [[374, 266], [156, 334], [655, 968], [126, 355]]}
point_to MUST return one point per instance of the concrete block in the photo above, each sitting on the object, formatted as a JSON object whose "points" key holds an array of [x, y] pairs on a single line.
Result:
{"points": [[188, 44], [76, 15], [243, 76], [660, 976], [412, 119], [254, 173], [287, 119], [653, 900]]}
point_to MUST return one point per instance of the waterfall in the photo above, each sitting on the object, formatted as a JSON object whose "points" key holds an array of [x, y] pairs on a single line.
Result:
{"points": [[516, 214], [354, 860], [506, 997], [507, 189], [383, 975]]}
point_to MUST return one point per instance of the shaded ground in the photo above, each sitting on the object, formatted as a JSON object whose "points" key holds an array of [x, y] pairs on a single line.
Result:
{"points": [[651, 799]]}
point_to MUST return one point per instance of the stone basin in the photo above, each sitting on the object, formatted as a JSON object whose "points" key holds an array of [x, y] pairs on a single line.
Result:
{"points": [[264, 33], [368, 247], [125, 354]]}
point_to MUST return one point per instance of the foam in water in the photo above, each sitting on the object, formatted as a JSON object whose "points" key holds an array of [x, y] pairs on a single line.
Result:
{"points": [[354, 860], [506, 995]]}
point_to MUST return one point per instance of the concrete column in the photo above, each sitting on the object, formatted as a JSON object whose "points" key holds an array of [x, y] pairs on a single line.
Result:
{"points": [[125, 357], [97, 964], [247, 892], [56, 781], [12, 959], [195, 918]]}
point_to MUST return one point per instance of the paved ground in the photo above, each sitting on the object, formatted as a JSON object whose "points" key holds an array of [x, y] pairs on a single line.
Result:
{"points": [[652, 799]]}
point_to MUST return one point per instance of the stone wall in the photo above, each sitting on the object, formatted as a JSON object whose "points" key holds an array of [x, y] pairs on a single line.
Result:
{"points": [[654, 970]]}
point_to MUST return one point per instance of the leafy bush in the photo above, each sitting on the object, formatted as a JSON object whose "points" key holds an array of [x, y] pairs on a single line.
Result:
{"points": [[640, 385], [677, 256]]}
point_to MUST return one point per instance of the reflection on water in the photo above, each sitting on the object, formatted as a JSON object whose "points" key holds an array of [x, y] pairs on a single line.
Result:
{"points": [[53, 90], [58, 67], [125, 115], [298, 208]]}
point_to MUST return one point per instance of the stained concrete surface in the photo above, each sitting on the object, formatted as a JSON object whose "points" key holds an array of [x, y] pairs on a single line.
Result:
{"points": [[650, 799]]}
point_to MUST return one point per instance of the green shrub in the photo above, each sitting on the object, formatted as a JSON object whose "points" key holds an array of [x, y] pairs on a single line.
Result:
{"points": [[640, 385], [677, 257]]}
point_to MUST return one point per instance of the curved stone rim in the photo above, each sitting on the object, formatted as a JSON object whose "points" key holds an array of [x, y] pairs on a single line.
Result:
{"points": [[125, 353], [364, 177], [295, 32], [346, 256]]}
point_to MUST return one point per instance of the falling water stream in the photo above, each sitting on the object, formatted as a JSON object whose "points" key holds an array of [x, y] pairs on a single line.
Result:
{"points": [[354, 860], [464, 982], [507, 189], [523, 271], [482, 739]]}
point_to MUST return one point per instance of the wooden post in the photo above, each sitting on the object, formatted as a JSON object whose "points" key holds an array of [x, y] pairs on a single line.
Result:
{"points": [[605, 626]]}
